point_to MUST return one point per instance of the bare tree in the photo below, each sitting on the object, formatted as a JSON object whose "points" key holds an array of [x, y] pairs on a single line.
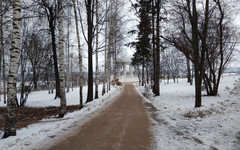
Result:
{"points": [[10, 122], [190, 44], [1, 44], [96, 52], [61, 61], [5, 42], [51, 13], [215, 38], [157, 63], [188, 71], [89, 6], [105, 53], [68, 49], [79, 55], [221, 44]]}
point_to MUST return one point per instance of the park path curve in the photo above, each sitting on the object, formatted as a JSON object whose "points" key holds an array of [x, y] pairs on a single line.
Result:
{"points": [[123, 125]]}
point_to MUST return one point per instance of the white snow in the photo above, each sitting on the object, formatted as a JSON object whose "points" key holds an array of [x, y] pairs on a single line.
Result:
{"points": [[42, 135], [178, 125], [128, 78]]}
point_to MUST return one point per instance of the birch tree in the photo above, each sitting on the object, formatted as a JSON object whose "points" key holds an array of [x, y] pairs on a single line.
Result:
{"points": [[68, 50], [61, 61], [1, 43], [10, 122], [96, 75], [5, 24], [105, 52], [79, 55]]}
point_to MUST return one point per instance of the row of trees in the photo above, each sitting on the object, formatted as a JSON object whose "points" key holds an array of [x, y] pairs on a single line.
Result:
{"points": [[39, 44], [41, 34], [148, 44], [202, 30]]}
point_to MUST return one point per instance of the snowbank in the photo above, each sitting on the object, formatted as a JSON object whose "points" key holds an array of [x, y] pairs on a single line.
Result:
{"points": [[178, 125], [41, 135]]}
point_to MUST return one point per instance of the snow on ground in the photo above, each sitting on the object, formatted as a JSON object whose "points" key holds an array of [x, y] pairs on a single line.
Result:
{"points": [[40, 135], [178, 125], [128, 78], [43, 99]]}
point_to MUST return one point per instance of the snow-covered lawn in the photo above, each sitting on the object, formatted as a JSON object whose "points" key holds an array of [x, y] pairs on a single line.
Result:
{"points": [[39, 135], [178, 125]]}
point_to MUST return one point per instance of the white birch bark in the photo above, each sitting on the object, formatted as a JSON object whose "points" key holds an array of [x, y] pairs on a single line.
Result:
{"points": [[105, 53], [79, 55], [3, 60], [10, 122], [61, 61], [109, 51], [1, 45], [68, 51]]}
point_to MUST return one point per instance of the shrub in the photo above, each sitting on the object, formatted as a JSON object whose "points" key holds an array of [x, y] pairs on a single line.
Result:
{"points": [[119, 83]]}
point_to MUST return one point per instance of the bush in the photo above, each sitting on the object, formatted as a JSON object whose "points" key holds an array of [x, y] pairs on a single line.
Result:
{"points": [[119, 83]]}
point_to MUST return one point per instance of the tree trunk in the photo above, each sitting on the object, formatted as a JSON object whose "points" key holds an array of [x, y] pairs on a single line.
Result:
{"points": [[1, 46], [79, 55], [115, 24], [61, 61], [96, 76], [153, 46], [90, 50], [105, 53], [22, 79], [68, 52], [54, 48], [143, 80], [195, 46], [198, 80], [10, 122], [35, 78], [3, 60], [188, 71], [110, 42], [157, 86], [4, 78]]}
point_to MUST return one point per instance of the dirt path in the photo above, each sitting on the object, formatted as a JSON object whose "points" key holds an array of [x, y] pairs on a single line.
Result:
{"points": [[123, 125]]}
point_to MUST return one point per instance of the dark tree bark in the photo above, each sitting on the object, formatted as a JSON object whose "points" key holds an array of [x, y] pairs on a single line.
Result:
{"points": [[156, 82], [54, 48], [188, 71], [143, 73], [51, 15], [198, 58], [195, 46], [89, 6], [219, 50], [96, 75], [153, 46]]}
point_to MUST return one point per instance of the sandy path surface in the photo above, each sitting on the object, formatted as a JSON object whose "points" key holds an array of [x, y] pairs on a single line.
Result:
{"points": [[123, 125]]}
